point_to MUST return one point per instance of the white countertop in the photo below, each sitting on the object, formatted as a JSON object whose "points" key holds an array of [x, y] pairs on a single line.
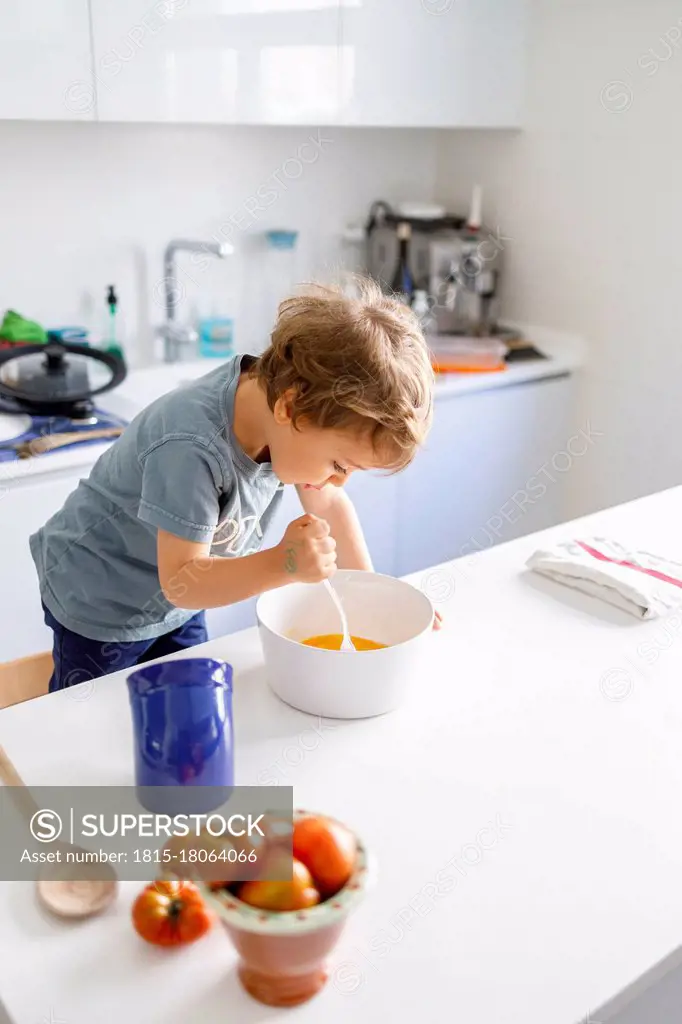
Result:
{"points": [[141, 387], [565, 354], [539, 757]]}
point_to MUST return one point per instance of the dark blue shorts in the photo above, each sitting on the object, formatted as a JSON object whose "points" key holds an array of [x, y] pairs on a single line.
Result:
{"points": [[77, 659]]}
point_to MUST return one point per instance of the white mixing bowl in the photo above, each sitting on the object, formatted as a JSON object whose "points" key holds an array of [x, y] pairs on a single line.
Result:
{"points": [[335, 684]]}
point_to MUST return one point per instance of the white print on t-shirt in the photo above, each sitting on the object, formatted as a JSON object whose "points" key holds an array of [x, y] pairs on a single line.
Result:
{"points": [[232, 535]]}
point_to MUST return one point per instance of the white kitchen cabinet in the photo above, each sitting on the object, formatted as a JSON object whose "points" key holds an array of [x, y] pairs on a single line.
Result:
{"points": [[230, 619], [45, 60], [25, 504], [432, 63], [376, 499], [411, 63], [218, 61], [495, 467]]}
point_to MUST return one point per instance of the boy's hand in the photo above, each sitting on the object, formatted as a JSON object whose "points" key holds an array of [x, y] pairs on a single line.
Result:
{"points": [[307, 551]]}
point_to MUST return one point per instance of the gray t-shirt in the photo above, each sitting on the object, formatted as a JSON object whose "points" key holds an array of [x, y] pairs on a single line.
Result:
{"points": [[178, 467]]}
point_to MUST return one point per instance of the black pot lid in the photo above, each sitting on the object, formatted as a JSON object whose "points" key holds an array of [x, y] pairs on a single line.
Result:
{"points": [[57, 373]]}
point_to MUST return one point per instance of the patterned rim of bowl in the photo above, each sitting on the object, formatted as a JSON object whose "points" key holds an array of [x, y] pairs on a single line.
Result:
{"points": [[233, 912]]}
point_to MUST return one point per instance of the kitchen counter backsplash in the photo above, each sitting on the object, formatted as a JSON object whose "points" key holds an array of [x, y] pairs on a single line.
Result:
{"points": [[122, 192]]}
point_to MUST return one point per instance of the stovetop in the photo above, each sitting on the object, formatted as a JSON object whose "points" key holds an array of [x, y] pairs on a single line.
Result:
{"points": [[16, 427]]}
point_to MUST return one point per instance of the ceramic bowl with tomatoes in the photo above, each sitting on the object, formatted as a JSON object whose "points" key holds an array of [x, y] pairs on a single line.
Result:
{"points": [[283, 950]]}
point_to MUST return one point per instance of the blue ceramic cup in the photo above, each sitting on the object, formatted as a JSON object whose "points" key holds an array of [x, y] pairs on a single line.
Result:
{"points": [[183, 737]]}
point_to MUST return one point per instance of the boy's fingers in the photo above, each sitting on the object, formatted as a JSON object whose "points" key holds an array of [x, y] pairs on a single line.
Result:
{"points": [[307, 519], [326, 546], [317, 530]]}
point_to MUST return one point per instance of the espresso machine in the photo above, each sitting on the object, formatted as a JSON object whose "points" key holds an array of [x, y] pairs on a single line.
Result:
{"points": [[455, 264]]}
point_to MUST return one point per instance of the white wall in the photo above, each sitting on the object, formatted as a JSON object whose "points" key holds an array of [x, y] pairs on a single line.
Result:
{"points": [[590, 199], [87, 205]]}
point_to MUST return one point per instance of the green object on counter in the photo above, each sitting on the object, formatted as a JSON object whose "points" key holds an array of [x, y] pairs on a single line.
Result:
{"points": [[112, 346], [114, 350], [15, 327]]}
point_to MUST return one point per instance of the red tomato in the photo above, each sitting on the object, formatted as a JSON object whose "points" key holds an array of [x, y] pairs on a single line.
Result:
{"points": [[170, 913], [328, 850], [297, 894], [224, 860]]}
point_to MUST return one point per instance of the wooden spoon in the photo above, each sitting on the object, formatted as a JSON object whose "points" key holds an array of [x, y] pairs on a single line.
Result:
{"points": [[58, 890]]}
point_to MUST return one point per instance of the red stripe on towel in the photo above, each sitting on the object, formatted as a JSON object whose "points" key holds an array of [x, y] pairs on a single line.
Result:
{"points": [[629, 565]]}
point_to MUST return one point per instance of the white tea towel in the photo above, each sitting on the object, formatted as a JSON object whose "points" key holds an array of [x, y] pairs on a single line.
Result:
{"points": [[640, 583]]}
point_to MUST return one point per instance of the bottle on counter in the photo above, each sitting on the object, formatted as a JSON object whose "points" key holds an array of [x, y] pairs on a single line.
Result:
{"points": [[215, 331], [421, 307], [216, 337], [111, 334], [474, 220], [279, 274], [402, 282]]}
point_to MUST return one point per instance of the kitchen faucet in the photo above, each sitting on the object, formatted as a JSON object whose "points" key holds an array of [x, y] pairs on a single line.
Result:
{"points": [[177, 337]]}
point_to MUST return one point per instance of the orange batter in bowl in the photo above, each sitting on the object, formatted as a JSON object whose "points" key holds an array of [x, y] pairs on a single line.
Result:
{"points": [[332, 642]]}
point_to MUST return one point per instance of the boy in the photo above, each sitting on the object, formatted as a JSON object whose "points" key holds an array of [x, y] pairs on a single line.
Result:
{"points": [[130, 562]]}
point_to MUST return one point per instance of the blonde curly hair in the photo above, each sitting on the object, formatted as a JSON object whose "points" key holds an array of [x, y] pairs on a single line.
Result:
{"points": [[352, 362]]}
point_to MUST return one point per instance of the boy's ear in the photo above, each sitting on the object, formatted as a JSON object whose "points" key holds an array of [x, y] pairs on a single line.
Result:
{"points": [[283, 407]]}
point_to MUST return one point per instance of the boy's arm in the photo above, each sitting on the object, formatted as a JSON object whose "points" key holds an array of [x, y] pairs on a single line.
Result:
{"points": [[334, 505], [191, 578], [181, 484]]}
